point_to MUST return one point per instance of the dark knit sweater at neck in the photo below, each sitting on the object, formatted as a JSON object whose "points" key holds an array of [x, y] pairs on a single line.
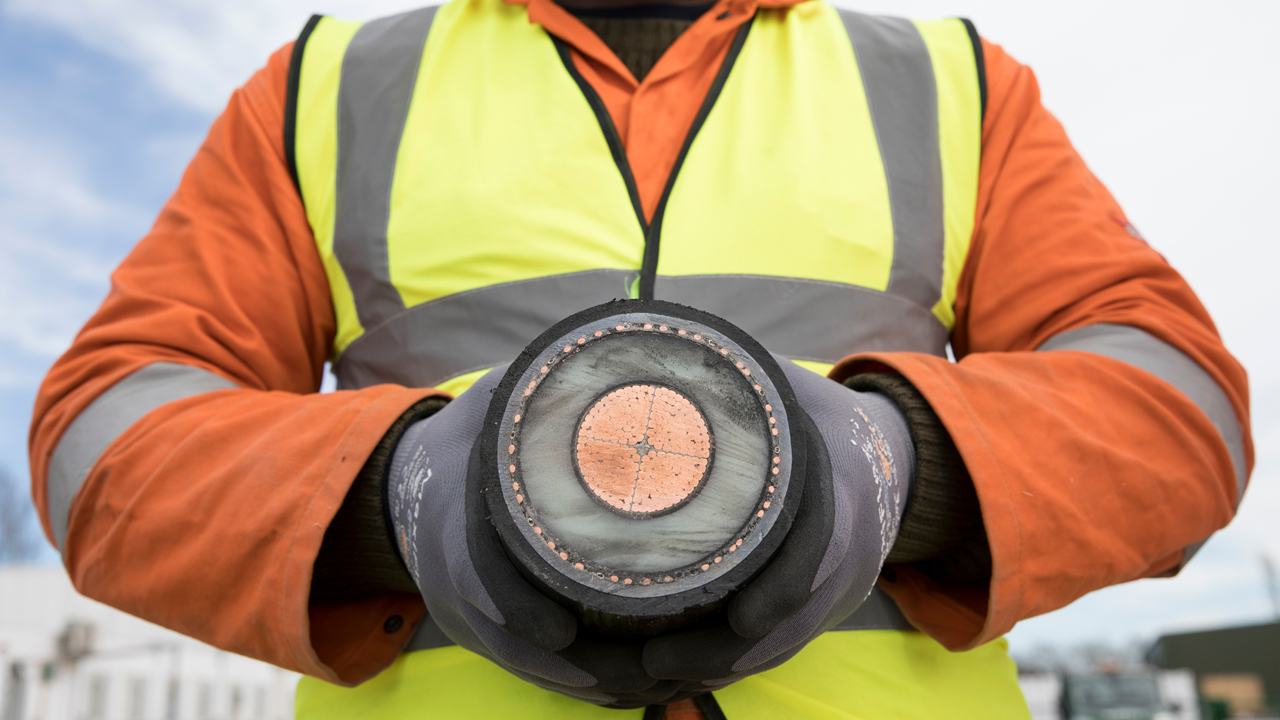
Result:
{"points": [[639, 34]]}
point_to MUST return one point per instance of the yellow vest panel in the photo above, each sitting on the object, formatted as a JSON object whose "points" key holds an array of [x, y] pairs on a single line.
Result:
{"points": [[867, 675]]}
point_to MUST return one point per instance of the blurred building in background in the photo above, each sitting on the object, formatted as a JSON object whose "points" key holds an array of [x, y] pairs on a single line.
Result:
{"points": [[1208, 675], [1238, 668], [65, 657]]}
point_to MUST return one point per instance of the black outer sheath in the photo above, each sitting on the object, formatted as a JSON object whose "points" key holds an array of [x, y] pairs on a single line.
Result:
{"points": [[665, 613], [979, 60], [291, 99]]}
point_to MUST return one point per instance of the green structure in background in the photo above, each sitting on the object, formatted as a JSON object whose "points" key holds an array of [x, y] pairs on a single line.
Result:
{"points": [[1237, 666]]}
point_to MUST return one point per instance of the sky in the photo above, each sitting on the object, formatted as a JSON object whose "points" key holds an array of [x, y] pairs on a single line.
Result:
{"points": [[1174, 105]]}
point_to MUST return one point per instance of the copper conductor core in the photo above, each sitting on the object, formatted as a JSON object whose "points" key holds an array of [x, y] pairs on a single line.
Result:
{"points": [[643, 449]]}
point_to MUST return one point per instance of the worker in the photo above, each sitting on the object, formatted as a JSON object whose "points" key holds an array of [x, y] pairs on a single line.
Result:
{"points": [[415, 198]]}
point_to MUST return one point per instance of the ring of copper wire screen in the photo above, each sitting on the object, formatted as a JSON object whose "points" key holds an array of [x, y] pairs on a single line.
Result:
{"points": [[686, 446]]}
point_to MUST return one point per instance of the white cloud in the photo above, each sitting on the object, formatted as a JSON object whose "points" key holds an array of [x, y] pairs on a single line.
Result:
{"points": [[15, 379], [197, 52], [43, 303], [51, 274], [41, 183]]}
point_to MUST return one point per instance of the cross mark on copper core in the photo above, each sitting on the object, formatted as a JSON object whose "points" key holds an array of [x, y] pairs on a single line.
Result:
{"points": [[642, 449]]}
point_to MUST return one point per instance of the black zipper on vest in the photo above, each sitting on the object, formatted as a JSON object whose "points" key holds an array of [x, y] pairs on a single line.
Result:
{"points": [[292, 83], [610, 130], [705, 703], [652, 231]]}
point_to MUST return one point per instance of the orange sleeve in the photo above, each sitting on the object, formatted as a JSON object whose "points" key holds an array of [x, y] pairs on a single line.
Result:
{"points": [[1089, 471], [206, 515]]}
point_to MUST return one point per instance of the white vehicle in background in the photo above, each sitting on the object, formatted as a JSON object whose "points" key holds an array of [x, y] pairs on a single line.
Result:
{"points": [[1115, 695]]}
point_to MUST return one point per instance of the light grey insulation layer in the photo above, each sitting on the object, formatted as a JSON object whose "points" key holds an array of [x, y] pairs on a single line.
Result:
{"points": [[733, 487]]}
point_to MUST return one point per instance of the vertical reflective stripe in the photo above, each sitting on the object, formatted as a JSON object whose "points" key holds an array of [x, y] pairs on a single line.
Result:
{"points": [[902, 94], [1146, 352], [316, 153], [956, 71], [291, 98], [379, 71], [106, 418], [785, 178], [476, 202]]}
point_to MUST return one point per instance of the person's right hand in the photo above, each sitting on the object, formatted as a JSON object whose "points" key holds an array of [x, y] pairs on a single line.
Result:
{"points": [[860, 463], [472, 590]]}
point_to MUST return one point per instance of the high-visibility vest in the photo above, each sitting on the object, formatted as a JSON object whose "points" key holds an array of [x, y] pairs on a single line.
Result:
{"points": [[467, 190]]}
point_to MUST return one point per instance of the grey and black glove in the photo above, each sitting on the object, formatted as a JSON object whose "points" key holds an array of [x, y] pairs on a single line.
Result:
{"points": [[860, 463], [472, 590]]}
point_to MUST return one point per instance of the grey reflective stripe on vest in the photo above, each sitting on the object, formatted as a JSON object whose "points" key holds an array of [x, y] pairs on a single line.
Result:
{"points": [[106, 418], [779, 312], [877, 612], [902, 94], [379, 71], [472, 330], [437, 340], [1142, 350]]}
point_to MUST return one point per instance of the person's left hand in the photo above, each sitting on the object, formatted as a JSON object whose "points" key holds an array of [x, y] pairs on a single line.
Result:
{"points": [[472, 590], [859, 468]]}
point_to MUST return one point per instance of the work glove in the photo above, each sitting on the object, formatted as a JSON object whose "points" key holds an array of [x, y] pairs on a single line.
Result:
{"points": [[471, 588], [859, 463]]}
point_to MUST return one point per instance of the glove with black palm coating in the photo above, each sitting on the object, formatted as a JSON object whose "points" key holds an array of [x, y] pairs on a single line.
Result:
{"points": [[860, 463], [472, 590]]}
